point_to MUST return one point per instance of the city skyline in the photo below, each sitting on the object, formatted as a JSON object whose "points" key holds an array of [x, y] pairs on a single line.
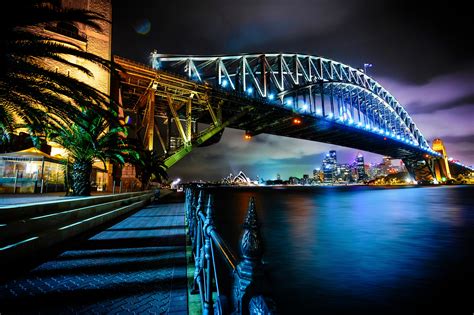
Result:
{"points": [[433, 77]]}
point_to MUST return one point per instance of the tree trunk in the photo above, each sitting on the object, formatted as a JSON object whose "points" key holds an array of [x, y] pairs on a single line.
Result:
{"points": [[81, 178]]}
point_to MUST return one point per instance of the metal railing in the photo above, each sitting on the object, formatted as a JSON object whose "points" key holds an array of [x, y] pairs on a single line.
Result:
{"points": [[247, 294]]}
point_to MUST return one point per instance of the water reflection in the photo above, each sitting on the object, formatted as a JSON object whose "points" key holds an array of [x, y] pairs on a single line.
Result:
{"points": [[359, 249]]}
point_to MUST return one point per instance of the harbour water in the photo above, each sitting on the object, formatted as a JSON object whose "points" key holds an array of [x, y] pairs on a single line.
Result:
{"points": [[361, 250]]}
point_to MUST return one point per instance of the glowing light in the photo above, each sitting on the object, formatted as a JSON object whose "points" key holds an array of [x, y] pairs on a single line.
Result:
{"points": [[318, 112], [351, 121], [175, 183], [271, 96], [305, 107], [359, 124], [250, 90], [289, 102], [296, 121], [330, 116], [224, 83], [367, 126], [247, 136]]}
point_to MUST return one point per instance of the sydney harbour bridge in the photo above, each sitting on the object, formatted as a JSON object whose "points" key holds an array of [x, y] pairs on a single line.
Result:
{"points": [[291, 95]]}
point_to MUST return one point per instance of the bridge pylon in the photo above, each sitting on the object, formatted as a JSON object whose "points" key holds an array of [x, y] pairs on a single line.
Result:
{"points": [[442, 170]]}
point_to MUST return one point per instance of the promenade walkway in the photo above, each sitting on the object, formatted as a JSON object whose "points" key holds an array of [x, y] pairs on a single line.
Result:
{"points": [[136, 266]]}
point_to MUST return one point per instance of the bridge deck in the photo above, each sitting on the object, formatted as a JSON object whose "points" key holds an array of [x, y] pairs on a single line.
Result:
{"points": [[136, 266]]}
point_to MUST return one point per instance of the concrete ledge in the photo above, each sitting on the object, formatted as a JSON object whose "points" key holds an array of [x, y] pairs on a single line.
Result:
{"points": [[15, 231], [61, 226], [24, 211]]}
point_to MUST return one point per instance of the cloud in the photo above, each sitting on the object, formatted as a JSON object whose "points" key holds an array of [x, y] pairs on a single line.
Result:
{"points": [[440, 93], [265, 156]]}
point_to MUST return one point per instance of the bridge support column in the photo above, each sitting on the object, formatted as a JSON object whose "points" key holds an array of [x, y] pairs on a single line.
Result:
{"points": [[420, 169]]}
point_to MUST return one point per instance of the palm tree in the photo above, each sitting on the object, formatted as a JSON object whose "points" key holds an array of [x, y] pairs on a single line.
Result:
{"points": [[150, 166], [31, 95], [93, 138]]}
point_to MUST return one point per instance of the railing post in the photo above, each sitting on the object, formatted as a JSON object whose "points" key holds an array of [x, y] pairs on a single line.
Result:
{"points": [[192, 215], [248, 278], [208, 227], [197, 244]]}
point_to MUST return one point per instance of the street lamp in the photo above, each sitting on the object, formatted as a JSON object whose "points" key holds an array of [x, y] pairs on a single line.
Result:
{"points": [[367, 65]]}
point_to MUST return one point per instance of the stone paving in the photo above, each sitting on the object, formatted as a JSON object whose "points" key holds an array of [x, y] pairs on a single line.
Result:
{"points": [[137, 266]]}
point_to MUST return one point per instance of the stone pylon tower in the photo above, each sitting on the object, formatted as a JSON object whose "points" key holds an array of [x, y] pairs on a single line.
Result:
{"points": [[442, 167], [96, 42], [88, 39]]}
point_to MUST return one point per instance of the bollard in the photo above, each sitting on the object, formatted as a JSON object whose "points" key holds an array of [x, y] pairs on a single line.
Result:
{"points": [[42, 185], [120, 188], [248, 278], [113, 189]]}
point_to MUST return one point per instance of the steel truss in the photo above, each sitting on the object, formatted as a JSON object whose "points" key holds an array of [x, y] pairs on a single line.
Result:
{"points": [[309, 84]]}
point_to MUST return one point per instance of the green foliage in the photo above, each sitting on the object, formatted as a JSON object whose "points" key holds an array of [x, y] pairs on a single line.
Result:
{"points": [[31, 95], [150, 167], [91, 137]]}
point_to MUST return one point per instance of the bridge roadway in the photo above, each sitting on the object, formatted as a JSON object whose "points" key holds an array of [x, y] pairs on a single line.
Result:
{"points": [[137, 265]]}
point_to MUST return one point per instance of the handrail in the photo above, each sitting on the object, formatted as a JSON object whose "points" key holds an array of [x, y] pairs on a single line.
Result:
{"points": [[247, 296], [224, 250]]}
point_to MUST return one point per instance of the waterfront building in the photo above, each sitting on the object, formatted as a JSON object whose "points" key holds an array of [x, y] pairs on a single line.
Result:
{"points": [[90, 40]]}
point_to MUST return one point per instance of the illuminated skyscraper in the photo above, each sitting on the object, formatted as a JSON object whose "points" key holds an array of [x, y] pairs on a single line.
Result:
{"points": [[329, 167], [360, 167]]}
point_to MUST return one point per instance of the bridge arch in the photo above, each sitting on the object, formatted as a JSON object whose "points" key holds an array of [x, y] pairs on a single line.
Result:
{"points": [[308, 84]]}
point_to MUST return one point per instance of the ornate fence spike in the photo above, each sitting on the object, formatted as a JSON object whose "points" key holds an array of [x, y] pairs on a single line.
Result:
{"points": [[210, 207], [200, 203], [251, 244]]}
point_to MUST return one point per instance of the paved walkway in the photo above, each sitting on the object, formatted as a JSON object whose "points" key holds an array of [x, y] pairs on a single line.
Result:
{"points": [[136, 266]]}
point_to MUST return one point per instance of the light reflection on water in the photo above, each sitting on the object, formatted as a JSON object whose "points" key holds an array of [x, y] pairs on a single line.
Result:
{"points": [[360, 249]]}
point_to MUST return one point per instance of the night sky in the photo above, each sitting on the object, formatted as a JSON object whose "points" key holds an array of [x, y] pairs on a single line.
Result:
{"points": [[420, 51]]}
